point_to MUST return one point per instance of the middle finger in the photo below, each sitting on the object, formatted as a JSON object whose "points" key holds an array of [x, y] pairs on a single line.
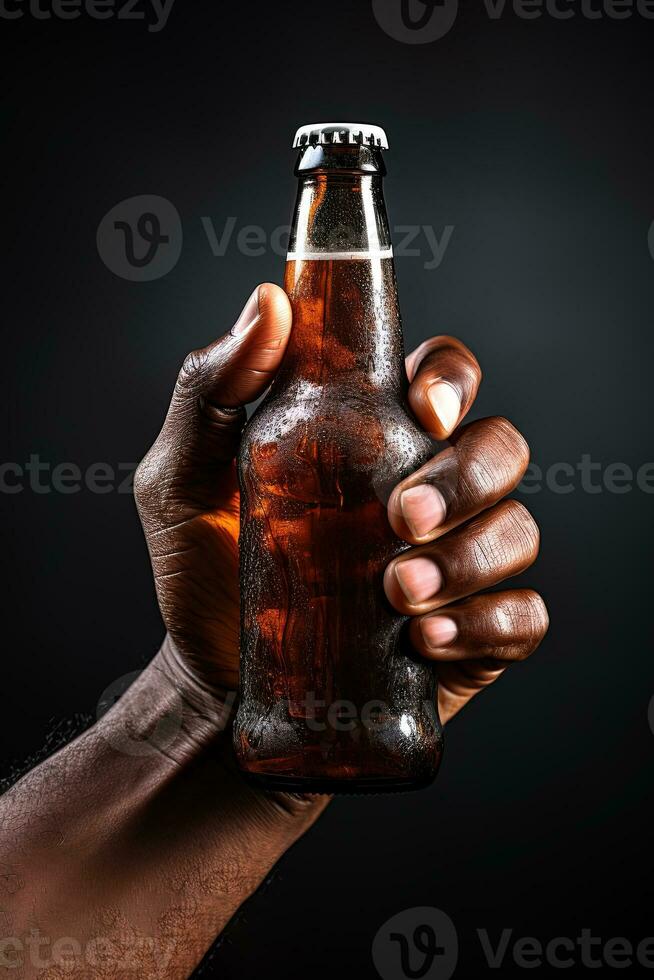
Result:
{"points": [[485, 462], [501, 542]]}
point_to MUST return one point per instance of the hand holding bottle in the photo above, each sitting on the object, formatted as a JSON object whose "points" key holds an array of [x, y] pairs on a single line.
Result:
{"points": [[461, 543], [73, 828]]}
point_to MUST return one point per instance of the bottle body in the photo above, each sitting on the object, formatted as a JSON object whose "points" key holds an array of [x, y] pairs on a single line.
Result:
{"points": [[332, 698]]}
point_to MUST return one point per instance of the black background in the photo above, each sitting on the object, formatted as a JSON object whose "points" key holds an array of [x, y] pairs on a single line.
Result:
{"points": [[533, 138]]}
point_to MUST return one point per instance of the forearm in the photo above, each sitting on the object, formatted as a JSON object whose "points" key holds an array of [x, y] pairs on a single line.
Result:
{"points": [[139, 840]]}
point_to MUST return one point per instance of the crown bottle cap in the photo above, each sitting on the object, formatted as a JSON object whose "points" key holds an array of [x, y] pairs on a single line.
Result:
{"points": [[337, 134]]}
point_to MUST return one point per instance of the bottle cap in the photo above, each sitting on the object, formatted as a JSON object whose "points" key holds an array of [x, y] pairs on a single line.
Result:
{"points": [[329, 134]]}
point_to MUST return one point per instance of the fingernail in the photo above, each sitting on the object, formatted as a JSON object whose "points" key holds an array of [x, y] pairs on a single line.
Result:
{"points": [[249, 314], [423, 508], [446, 404], [419, 578], [438, 631]]}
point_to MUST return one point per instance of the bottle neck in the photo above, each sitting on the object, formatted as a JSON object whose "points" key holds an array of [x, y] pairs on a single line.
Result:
{"points": [[340, 204], [339, 274]]}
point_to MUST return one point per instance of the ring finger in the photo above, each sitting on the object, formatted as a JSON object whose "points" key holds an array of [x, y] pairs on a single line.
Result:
{"points": [[498, 627]]}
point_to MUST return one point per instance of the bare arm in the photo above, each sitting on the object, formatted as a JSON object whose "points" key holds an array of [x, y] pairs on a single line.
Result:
{"points": [[134, 845], [128, 851]]}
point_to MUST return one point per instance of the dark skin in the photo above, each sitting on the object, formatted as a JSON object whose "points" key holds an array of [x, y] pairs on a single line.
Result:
{"points": [[141, 856]]}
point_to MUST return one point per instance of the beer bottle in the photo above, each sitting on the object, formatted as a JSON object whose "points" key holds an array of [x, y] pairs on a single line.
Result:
{"points": [[332, 698]]}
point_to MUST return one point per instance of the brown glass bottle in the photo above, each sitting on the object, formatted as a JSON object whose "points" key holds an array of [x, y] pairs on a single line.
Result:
{"points": [[332, 697]]}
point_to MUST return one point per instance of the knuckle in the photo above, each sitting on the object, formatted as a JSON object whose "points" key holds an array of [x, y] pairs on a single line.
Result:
{"points": [[536, 614], [489, 554], [521, 622], [501, 542], [493, 457], [147, 480], [507, 442], [484, 478], [520, 529], [463, 368], [192, 369], [142, 481], [449, 358], [456, 347], [472, 365]]}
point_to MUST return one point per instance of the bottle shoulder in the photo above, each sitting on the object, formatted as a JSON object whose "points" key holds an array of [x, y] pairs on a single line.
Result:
{"points": [[360, 429], [336, 404]]}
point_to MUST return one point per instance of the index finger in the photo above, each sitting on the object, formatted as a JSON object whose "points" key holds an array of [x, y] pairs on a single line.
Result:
{"points": [[444, 379]]}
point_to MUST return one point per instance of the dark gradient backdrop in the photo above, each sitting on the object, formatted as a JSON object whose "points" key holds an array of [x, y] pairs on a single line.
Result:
{"points": [[533, 139]]}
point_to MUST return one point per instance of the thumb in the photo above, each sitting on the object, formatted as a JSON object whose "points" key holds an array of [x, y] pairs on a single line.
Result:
{"points": [[203, 426], [215, 382], [240, 366]]}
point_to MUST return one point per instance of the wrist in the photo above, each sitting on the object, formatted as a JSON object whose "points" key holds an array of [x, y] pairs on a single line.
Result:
{"points": [[236, 833], [168, 711], [170, 716]]}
